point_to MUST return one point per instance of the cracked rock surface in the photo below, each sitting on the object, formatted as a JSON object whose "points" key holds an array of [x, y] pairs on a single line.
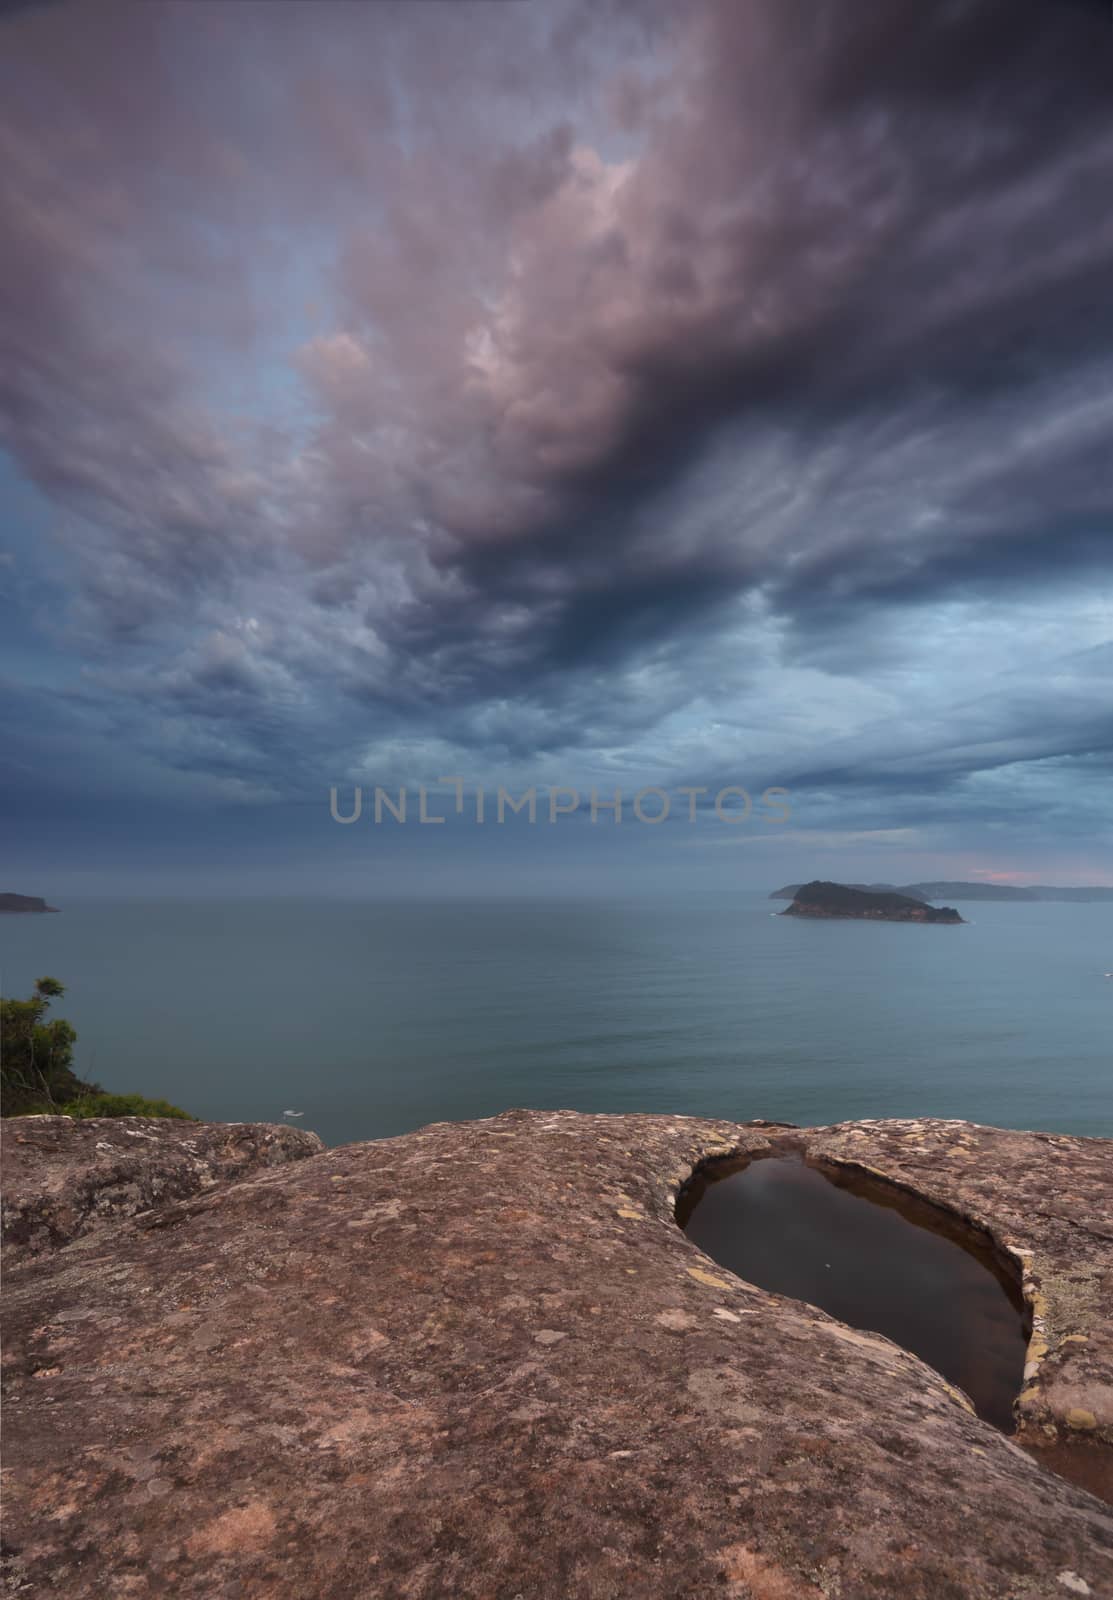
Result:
{"points": [[482, 1361]]}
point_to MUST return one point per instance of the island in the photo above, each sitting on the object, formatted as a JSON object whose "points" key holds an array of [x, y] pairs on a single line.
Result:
{"points": [[819, 899], [24, 903]]}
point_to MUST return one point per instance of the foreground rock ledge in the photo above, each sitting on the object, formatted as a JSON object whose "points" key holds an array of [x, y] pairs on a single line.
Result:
{"points": [[482, 1361]]}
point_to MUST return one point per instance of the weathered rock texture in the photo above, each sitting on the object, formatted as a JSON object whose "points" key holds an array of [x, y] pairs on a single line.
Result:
{"points": [[481, 1362], [66, 1176]]}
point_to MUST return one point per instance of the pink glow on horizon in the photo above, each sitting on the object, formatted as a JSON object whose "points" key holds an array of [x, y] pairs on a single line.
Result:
{"points": [[1071, 878]]}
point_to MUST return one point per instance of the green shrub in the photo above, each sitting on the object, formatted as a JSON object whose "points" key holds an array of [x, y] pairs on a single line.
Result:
{"points": [[121, 1105], [36, 1056], [36, 1067]]}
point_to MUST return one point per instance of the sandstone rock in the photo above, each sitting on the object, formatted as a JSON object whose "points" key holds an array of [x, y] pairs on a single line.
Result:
{"points": [[66, 1176], [482, 1362]]}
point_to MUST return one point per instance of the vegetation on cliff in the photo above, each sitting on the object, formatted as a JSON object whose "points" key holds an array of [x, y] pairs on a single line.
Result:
{"points": [[36, 1066]]}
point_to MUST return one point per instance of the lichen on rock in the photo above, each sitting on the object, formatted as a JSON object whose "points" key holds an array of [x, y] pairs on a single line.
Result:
{"points": [[65, 1176]]}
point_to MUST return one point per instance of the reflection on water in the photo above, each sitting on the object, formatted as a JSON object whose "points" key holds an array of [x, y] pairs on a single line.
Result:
{"points": [[873, 1258]]}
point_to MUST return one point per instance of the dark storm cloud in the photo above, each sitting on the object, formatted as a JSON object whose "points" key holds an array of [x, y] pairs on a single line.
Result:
{"points": [[865, 233], [578, 379]]}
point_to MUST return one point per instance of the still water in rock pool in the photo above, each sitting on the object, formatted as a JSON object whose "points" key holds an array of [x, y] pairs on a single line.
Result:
{"points": [[873, 1258]]}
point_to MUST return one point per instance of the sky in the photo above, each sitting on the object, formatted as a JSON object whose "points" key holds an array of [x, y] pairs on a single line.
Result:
{"points": [[596, 394]]}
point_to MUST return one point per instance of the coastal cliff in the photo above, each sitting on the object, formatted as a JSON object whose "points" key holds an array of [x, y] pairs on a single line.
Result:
{"points": [[482, 1360], [820, 899]]}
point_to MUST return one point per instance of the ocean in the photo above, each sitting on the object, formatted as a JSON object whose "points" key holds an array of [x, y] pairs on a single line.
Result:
{"points": [[375, 1017]]}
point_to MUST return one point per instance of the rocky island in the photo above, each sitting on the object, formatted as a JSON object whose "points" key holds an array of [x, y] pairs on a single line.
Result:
{"points": [[820, 899], [482, 1360], [24, 902]]}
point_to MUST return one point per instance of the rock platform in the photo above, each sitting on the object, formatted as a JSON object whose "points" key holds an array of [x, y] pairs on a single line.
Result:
{"points": [[482, 1362]]}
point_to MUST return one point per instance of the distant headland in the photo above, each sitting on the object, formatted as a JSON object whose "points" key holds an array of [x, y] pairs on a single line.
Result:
{"points": [[24, 902], [968, 891], [820, 899]]}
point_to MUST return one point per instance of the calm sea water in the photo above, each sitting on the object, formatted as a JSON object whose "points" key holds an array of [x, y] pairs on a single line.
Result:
{"points": [[373, 1017]]}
